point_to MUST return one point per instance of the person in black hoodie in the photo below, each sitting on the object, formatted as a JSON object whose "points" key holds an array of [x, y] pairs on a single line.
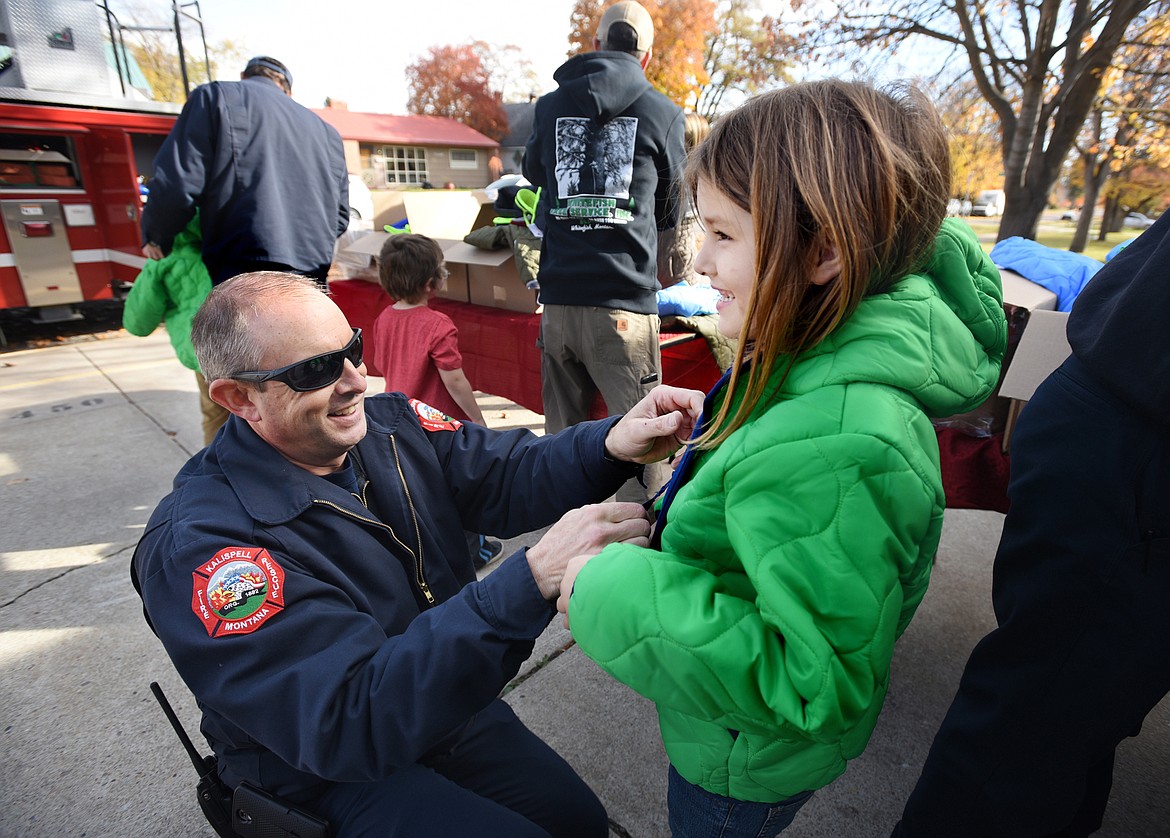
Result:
{"points": [[606, 149], [1081, 581]]}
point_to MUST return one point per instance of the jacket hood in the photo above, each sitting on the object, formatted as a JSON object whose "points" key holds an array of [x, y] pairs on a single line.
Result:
{"points": [[938, 334], [603, 84]]}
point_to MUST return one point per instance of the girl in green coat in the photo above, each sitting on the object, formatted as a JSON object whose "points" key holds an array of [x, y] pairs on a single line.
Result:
{"points": [[796, 538]]}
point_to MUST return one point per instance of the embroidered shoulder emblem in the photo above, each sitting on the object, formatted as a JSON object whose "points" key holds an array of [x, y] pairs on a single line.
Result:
{"points": [[433, 419], [238, 591]]}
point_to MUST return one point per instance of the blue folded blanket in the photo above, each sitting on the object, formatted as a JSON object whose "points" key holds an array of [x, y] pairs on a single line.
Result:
{"points": [[1062, 272], [687, 300]]}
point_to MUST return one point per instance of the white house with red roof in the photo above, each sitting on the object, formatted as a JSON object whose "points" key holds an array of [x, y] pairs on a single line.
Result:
{"points": [[406, 152]]}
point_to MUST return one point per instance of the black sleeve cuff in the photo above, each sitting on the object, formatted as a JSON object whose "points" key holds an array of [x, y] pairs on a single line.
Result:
{"points": [[628, 468]]}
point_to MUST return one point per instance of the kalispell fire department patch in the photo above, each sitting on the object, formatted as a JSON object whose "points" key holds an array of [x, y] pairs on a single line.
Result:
{"points": [[433, 419], [239, 590]]}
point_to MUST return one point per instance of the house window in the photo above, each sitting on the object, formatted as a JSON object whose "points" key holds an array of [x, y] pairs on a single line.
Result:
{"points": [[402, 164], [464, 158]]}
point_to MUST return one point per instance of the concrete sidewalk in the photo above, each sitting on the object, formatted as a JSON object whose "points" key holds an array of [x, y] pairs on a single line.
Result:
{"points": [[93, 433]]}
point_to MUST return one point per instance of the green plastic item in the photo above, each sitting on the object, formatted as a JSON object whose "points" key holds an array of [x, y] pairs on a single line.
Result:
{"points": [[527, 201]]}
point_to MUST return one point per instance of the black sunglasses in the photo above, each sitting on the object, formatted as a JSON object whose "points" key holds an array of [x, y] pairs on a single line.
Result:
{"points": [[312, 373]]}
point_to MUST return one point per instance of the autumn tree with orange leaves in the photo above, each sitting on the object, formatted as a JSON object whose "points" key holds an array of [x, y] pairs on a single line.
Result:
{"points": [[681, 30], [454, 81]]}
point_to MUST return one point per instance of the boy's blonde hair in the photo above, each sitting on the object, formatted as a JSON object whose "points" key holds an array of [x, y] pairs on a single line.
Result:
{"points": [[407, 264], [825, 164], [695, 129]]}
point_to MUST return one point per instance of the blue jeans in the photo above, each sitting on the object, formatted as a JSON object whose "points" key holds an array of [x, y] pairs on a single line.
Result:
{"points": [[698, 813]]}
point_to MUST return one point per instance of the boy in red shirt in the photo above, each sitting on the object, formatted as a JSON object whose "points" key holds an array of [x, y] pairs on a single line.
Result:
{"points": [[417, 348]]}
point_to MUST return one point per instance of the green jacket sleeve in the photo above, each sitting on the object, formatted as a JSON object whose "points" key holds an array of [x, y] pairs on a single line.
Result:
{"points": [[146, 304], [172, 290], [786, 617]]}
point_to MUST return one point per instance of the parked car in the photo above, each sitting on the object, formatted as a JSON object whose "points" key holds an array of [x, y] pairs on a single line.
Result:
{"points": [[989, 202], [361, 204], [1137, 221], [957, 207]]}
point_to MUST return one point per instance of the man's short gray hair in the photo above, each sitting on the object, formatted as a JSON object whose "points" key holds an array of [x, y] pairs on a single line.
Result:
{"points": [[223, 331]]}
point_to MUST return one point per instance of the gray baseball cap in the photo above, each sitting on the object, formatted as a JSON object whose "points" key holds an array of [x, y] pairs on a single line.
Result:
{"points": [[633, 15]]}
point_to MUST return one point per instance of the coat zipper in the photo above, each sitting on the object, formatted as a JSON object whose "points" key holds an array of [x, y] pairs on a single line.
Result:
{"points": [[422, 582], [418, 564]]}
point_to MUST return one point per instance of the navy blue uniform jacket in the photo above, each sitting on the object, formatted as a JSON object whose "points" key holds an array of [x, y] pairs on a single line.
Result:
{"points": [[325, 640], [267, 174]]}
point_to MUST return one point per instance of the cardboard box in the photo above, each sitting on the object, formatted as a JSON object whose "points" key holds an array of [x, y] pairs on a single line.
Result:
{"points": [[457, 286], [369, 244], [389, 207], [1043, 347], [1018, 291], [484, 277], [1021, 298], [492, 277], [442, 213]]}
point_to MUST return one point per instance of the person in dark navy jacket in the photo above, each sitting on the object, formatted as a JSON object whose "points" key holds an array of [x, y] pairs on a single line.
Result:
{"points": [[309, 579], [266, 173], [1079, 656]]}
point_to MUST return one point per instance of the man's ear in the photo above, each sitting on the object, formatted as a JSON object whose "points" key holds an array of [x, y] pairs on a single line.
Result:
{"points": [[829, 268], [235, 397]]}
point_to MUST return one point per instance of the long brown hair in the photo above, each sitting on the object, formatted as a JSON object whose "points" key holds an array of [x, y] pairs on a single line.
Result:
{"points": [[819, 165]]}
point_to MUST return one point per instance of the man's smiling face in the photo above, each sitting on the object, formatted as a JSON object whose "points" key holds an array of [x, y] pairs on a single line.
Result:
{"points": [[314, 429]]}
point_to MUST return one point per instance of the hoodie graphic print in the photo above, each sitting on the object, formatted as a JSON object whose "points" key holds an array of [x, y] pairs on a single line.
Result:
{"points": [[594, 167]]}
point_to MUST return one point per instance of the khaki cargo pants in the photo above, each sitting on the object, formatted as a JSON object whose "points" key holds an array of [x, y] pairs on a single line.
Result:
{"points": [[588, 350]]}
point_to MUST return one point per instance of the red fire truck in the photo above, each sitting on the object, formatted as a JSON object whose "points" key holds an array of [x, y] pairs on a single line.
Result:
{"points": [[74, 139], [70, 203]]}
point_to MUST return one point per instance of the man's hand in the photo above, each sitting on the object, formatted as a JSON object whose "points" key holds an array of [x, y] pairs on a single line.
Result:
{"points": [[583, 533], [571, 570], [656, 426], [152, 251]]}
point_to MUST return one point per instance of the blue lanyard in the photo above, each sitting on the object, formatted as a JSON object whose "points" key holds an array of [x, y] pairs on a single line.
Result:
{"points": [[682, 470]]}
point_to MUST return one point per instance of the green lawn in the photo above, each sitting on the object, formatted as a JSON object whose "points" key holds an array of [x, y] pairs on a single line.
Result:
{"points": [[1054, 233]]}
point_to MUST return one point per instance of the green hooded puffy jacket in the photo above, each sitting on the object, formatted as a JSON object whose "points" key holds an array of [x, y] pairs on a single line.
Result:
{"points": [[799, 549], [171, 290]]}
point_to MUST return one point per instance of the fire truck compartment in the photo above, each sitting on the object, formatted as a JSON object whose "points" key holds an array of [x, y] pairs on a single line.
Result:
{"points": [[40, 250]]}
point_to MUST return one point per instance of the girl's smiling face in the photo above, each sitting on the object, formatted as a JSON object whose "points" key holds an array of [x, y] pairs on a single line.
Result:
{"points": [[728, 255]]}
